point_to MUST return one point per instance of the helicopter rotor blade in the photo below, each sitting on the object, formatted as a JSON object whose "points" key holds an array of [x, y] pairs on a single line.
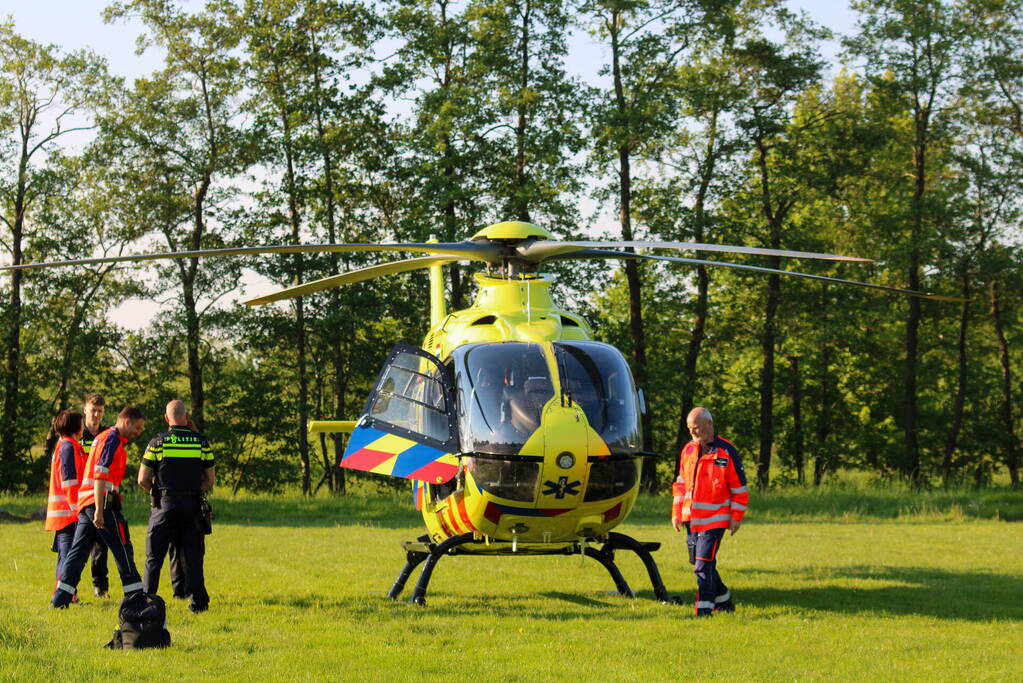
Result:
{"points": [[542, 249], [461, 250], [355, 276], [610, 254]]}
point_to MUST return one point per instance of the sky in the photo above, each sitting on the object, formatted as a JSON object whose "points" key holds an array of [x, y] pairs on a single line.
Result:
{"points": [[76, 24]]}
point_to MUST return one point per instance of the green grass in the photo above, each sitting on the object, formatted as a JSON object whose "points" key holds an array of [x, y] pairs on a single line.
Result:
{"points": [[883, 590]]}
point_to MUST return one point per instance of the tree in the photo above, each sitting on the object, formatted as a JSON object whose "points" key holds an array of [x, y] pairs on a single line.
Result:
{"points": [[530, 172], [84, 218], [646, 40], [442, 150], [773, 75], [44, 97], [182, 124], [910, 49]]}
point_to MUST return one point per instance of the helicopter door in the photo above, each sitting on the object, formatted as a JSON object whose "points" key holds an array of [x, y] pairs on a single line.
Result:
{"points": [[407, 428]]}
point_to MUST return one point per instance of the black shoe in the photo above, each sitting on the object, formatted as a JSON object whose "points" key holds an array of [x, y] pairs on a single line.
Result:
{"points": [[181, 596], [726, 606], [192, 607], [704, 613], [58, 601], [100, 592]]}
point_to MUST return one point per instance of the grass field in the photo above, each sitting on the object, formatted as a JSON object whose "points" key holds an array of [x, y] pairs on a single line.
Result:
{"points": [[835, 585]]}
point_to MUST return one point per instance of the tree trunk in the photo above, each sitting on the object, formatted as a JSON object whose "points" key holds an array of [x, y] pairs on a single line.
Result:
{"points": [[187, 273], [911, 466], [324, 452], [774, 215], [9, 430], [334, 331], [1012, 443], [767, 342], [797, 419], [300, 331], [195, 385], [521, 200], [960, 399], [449, 163], [687, 395], [635, 285], [822, 457]]}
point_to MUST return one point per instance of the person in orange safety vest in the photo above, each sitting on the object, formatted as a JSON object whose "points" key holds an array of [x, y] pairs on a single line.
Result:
{"points": [[710, 496], [99, 509], [94, 408], [65, 475]]}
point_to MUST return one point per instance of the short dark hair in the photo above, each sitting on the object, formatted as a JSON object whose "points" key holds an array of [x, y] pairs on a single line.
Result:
{"points": [[95, 399], [67, 423], [132, 413]]}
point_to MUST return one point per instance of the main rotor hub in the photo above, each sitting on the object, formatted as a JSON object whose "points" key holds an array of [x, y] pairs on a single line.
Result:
{"points": [[510, 236], [516, 231]]}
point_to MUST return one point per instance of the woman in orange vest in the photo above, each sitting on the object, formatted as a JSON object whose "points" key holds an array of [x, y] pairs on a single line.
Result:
{"points": [[65, 478]]}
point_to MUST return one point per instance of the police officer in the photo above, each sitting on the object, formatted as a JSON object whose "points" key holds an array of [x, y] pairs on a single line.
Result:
{"points": [[178, 468], [94, 409]]}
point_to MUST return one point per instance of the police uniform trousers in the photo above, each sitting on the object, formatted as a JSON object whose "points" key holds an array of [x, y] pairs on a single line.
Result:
{"points": [[703, 551], [176, 522], [176, 559], [114, 535]]}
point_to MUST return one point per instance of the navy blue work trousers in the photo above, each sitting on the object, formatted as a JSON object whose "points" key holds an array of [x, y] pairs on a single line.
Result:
{"points": [[98, 564], [703, 554], [114, 535], [62, 544]]}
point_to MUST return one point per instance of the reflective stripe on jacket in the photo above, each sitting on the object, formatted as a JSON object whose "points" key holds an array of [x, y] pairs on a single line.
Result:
{"points": [[65, 470], [106, 461], [710, 490], [89, 437]]}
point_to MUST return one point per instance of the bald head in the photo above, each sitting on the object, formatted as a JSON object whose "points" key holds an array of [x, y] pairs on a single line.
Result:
{"points": [[176, 414], [701, 425], [701, 413]]}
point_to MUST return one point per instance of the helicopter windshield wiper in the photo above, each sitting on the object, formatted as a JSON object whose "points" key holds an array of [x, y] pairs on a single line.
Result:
{"points": [[483, 414]]}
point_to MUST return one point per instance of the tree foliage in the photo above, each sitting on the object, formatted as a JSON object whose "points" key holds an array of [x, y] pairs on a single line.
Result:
{"points": [[280, 121]]}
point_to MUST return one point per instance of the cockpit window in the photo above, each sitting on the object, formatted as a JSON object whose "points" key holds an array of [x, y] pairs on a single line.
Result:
{"points": [[502, 390], [596, 376], [411, 396]]}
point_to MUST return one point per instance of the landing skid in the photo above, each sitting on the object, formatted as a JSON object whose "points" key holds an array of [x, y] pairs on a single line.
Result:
{"points": [[418, 552]]}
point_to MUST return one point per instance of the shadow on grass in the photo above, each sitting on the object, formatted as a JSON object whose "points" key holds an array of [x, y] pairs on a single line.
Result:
{"points": [[910, 591], [462, 604], [576, 599], [798, 503]]}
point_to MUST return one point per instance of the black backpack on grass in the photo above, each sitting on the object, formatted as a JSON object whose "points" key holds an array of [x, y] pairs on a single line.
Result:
{"points": [[143, 623]]}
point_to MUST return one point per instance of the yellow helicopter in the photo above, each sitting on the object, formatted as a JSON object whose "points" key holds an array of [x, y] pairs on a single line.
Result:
{"points": [[521, 433]]}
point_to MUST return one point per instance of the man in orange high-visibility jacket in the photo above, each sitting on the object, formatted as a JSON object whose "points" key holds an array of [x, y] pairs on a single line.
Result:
{"points": [[62, 503], [94, 408], [99, 509], [710, 495]]}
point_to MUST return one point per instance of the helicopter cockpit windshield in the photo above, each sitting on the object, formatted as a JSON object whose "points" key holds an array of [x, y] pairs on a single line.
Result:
{"points": [[502, 389], [596, 376]]}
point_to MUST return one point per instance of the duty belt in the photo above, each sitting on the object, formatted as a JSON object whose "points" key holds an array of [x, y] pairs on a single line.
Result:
{"points": [[179, 493]]}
